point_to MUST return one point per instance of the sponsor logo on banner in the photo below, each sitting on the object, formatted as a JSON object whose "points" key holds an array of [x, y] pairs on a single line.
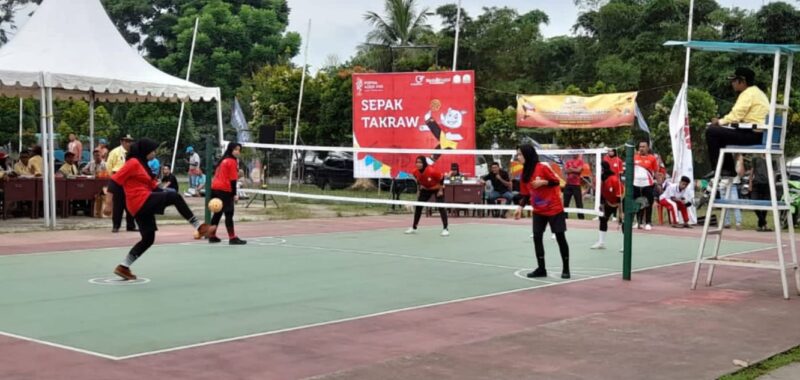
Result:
{"points": [[566, 111], [412, 111]]}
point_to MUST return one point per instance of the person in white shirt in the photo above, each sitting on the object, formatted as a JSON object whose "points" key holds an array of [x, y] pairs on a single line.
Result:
{"points": [[194, 167], [75, 147], [734, 194], [675, 198]]}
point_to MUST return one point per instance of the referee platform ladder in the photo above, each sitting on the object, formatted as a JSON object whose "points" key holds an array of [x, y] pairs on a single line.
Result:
{"points": [[772, 147]]}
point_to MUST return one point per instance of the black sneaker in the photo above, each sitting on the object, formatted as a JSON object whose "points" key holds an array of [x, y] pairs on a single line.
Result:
{"points": [[214, 239], [115, 230], [237, 241], [565, 275], [538, 272]]}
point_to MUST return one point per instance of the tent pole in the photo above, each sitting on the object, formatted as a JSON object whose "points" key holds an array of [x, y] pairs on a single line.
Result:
{"points": [[183, 104], [45, 163], [299, 106], [219, 117], [50, 119], [20, 124], [91, 124]]}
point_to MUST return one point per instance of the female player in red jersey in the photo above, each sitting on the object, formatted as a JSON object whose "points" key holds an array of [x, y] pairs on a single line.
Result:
{"points": [[540, 186], [223, 186], [144, 199], [611, 196], [430, 182]]}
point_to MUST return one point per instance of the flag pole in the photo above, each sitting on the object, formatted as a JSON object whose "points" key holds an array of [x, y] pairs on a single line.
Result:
{"points": [[183, 103], [299, 106], [458, 27]]}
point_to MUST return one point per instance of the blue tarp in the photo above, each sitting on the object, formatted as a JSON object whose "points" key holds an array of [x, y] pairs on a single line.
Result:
{"points": [[736, 47]]}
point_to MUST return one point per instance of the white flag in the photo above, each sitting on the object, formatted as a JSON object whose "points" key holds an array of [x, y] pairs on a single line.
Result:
{"points": [[681, 138]]}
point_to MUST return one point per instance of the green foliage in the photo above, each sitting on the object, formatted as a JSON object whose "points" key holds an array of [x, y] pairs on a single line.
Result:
{"points": [[8, 8], [73, 117], [500, 124], [401, 25]]}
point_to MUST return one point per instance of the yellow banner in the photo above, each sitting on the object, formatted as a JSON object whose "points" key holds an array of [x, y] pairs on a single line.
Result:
{"points": [[567, 111]]}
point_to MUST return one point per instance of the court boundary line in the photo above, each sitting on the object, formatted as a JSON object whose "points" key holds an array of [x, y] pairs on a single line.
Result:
{"points": [[545, 284], [410, 308]]}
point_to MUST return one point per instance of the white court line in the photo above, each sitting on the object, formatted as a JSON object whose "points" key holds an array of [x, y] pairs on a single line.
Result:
{"points": [[266, 333], [338, 321], [61, 346]]}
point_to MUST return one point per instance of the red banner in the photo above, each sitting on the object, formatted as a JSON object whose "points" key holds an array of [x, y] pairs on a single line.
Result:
{"points": [[426, 110]]}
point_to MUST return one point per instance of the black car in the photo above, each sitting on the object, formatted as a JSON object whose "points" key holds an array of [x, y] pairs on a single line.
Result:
{"points": [[335, 172]]}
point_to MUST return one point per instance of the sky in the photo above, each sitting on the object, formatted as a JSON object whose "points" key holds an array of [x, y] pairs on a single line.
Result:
{"points": [[337, 28]]}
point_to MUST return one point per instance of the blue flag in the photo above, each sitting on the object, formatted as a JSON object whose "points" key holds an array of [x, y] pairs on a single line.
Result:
{"points": [[239, 122], [641, 121]]}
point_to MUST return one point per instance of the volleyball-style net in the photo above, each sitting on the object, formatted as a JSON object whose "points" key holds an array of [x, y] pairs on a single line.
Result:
{"points": [[382, 177]]}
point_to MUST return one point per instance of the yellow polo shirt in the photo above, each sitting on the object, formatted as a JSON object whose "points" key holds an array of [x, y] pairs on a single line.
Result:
{"points": [[35, 165], [752, 106], [21, 169], [116, 159]]}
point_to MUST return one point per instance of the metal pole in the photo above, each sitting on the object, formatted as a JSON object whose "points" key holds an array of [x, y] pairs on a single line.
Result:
{"points": [[299, 106], [219, 117], [458, 27], [91, 124], [688, 39], [20, 124], [183, 103], [630, 209], [50, 125], [209, 169], [45, 151]]}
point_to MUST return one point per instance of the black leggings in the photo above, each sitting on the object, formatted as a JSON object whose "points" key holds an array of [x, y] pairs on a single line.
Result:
{"points": [[608, 211], [227, 209], [146, 217], [119, 207], [647, 213], [424, 196], [573, 191], [563, 248]]}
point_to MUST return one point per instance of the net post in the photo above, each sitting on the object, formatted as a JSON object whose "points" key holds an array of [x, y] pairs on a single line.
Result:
{"points": [[207, 187], [630, 208]]}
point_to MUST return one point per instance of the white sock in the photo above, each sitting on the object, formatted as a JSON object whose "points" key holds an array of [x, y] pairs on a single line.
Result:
{"points": [[195, 222], [129, 260], [602, 238]]}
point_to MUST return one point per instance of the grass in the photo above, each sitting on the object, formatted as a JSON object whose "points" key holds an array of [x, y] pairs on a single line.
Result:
{"points": [[766, 366]]}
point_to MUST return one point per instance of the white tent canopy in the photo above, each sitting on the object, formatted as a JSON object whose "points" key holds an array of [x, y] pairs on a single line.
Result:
{"points": [[70, 49], [73, 47]]}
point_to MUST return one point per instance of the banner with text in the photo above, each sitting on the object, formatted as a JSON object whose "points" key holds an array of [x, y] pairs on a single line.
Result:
{"points": [[426, 110], [567, 111]]}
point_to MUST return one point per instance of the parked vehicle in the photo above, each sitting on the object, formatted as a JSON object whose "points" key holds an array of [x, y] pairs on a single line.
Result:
{"points": [[335, 172]]}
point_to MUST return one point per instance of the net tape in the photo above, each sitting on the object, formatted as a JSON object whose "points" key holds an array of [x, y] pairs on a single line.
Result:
{"points": [[597, 152]]}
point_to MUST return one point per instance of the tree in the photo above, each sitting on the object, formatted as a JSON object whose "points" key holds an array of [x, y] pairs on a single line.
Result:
{"points": [[8, 9], [401, 25], [73, 117]]}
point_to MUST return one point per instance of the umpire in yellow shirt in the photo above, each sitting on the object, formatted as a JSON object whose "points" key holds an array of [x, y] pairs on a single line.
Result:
{"points": [[116, 159], [752, 107]]}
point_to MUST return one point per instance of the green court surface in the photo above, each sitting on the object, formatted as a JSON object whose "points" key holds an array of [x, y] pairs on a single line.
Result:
{"points": [[200, 293]]}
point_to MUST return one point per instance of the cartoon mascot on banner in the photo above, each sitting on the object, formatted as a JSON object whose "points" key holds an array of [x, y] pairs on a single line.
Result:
{"points": [[452, 120]]}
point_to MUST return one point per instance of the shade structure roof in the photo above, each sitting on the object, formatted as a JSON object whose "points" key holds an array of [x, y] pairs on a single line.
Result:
{"points": [[736, 47], [73, 47]]}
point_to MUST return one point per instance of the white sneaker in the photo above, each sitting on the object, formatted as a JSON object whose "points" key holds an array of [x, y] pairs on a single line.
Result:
{"points": [[596, 218], [531, 236], [410, 231], [553, 236], [635, 225], [621, 250], [648, 227], [598, 245], [445, 232]]}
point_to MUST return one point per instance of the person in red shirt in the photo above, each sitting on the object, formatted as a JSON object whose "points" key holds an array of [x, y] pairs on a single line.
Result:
{"points": [[539, 185], [430, 182], [223, 186], [645, 167], [616, 163], [144, 199], [610, 197], [573, 189]]}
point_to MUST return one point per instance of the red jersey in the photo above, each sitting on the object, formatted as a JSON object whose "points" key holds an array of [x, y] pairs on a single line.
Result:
{"points": [[545, 200], [574, 178], [137, 183], [616, 163], [227, 171], [612, 190], [430, 179], [644, 168]]}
